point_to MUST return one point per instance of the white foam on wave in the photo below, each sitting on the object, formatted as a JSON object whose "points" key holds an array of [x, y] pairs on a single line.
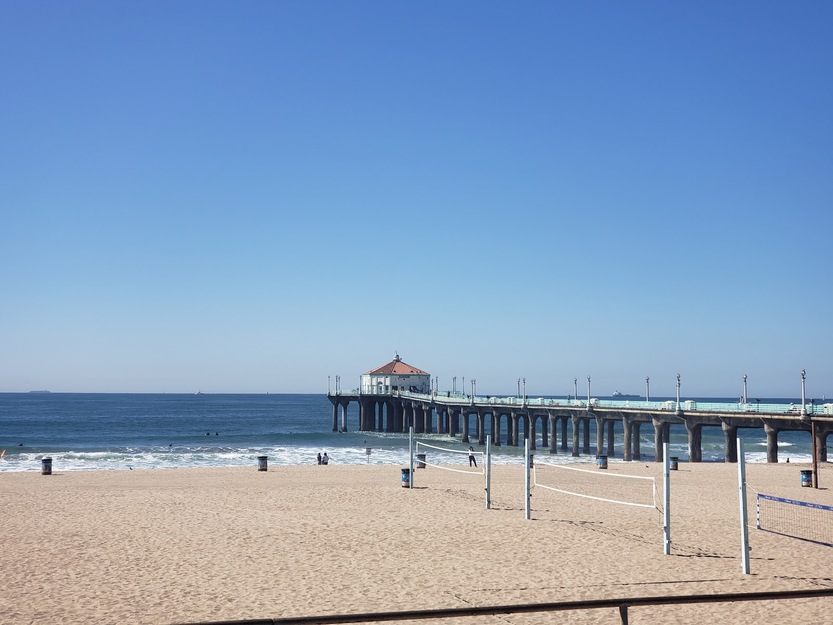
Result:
{"points": [[282, 455]]}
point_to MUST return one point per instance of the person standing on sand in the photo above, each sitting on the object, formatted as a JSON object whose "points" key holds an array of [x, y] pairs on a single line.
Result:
{"points": [[319, 457], [325, 459], [472, 459]]}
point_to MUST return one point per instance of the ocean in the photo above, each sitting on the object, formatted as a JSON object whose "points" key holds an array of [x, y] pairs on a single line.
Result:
{"points": [[154, 431]]}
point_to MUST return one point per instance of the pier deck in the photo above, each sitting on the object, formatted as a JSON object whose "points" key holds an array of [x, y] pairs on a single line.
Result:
{"points": [[524, 417]]}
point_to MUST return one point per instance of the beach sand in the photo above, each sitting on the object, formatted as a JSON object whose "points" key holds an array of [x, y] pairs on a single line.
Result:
{"points": [[189, 545]]}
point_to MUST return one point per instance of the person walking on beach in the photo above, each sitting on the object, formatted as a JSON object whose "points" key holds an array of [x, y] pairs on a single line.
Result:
{"points": [[325, 459], [472, 459]]}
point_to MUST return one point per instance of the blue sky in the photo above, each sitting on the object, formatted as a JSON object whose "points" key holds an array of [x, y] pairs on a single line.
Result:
{"points": [[253, 196]]}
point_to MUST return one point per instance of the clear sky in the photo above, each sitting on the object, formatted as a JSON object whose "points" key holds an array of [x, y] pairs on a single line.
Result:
{"points": [[254, 196]]}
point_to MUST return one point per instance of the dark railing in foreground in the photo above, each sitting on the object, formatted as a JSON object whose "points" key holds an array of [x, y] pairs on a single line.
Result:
{"points": [[562, 606]]}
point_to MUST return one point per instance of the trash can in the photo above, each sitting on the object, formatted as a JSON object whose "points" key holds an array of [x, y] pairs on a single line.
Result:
{"points": [[406, 478], [420, 461], [262, 463], [807, 478], [602, 462], [46, 466], [674, 462]]}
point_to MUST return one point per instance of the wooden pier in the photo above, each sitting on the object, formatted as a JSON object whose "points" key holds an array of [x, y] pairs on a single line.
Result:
{"points": [[520, 418]]}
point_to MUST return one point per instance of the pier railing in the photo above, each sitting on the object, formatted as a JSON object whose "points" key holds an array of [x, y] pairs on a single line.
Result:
{"points": [[621, 604], [626, 404]]}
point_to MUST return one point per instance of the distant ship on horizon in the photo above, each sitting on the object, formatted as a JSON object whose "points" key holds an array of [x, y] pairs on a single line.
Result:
{"points": [[625, 395]]}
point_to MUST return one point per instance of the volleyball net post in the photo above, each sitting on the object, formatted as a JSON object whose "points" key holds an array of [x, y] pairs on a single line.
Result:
{"points": [[744, 529], [527, 489], [488, 469], [666, 500], [411, 455]]}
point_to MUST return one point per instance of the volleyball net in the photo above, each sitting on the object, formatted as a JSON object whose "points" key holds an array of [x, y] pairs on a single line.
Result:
{"points": [[797, 519], [607, 487], [447, 458]]}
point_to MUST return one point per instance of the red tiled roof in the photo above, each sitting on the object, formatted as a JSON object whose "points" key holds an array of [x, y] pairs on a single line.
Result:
{"points": [[398, 367]]}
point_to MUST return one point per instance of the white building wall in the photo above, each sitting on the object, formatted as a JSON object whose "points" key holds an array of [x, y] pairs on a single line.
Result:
{"points": [[383, 384]]}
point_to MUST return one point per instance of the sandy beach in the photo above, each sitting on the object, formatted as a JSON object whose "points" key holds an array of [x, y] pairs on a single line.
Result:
{"points": [[190, 545]]}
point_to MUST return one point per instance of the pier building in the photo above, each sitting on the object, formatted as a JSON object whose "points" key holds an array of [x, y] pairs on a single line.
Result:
{"points": [[393, 377]]}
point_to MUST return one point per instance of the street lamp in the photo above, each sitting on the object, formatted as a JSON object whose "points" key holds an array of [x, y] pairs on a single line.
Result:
{"points": [[473, 388], [743, 399], [647, 389], [519, 388], [575, 388], [524, 396], [588, 392], [678, 391], [803, 406], [454, 385], [328, 385]]}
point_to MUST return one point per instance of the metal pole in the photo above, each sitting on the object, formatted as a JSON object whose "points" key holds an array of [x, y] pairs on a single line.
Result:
{"points": [[488, 469], [411, 454], [647, 389], [666, 500], [678, 391], [744, 388], [815, 456], [575, 389], [527, 493], [744, 530], [803, 407], [588, 392]]}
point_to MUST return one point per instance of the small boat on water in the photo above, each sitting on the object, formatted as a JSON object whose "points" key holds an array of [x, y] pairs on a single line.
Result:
{"points": [[617, 394]]}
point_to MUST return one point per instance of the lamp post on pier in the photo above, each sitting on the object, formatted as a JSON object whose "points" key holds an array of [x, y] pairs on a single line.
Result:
{"points": [[678, 391], [588, 392], [647, 389], [743, 399], [454, 384], [524, 395], [328, 385], [473, 388], [803, 405], [575, 388], [519, 388]]}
